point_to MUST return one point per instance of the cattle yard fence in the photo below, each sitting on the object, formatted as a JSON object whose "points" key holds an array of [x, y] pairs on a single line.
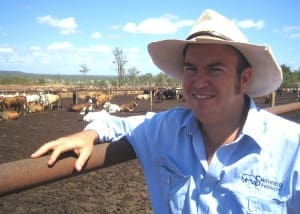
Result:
{"points": [[24, 174]]}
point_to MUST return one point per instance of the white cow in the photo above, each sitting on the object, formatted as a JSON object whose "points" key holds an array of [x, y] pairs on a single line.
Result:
{"points": [[33, 98], [143, 97], [111, 108], [50, 100], [92, 116]]}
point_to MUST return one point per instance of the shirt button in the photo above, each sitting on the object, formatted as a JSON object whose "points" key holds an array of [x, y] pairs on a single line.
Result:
{"points": [[206, 189], [168, 180]]}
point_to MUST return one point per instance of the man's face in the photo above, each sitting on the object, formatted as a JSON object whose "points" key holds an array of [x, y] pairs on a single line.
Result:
{"points": [[211, 85]]}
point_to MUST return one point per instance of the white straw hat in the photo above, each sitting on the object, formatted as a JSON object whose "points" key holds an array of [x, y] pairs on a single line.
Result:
{"points": [[213, 28]]}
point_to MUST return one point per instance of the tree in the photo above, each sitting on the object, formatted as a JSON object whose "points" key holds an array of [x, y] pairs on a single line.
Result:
{"points": [[84, 69], [132, 74], [120, 61], [161, 79], [146, 79]]}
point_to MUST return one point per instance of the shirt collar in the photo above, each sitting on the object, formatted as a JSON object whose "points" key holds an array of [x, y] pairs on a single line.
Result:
{"points": [[254, 125], [190, 123]]}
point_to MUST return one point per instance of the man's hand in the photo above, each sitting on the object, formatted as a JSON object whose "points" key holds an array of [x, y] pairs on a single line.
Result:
{"points": [[81, 143]]}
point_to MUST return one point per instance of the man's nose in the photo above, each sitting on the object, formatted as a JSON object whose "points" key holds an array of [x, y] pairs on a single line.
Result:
{"points": [[201, 79]]}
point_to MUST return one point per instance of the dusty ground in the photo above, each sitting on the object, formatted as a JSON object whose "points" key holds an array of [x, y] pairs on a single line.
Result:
{"points": [[117, 189]]}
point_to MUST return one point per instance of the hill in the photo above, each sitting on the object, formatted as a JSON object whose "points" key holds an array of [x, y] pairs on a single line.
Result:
{"points": [[4, 73]]}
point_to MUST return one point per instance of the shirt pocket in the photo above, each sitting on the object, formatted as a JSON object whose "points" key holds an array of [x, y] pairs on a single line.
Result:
{"points": [[260, 204], [175, 186]]}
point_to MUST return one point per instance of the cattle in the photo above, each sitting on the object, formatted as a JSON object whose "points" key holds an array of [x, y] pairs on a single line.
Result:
{"points": [[33, 98], [34, 107], [169, 94], [9, 115], [128, 107], [78, 107], [160, 96], [111, 108], [143, 97], [16, 103], [50, 101], [92, 116], [85, 110], [101, 99], [1, 102]]}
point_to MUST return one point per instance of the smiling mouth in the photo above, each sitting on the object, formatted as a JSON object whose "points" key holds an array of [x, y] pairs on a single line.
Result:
{"points": [[202, 97]]}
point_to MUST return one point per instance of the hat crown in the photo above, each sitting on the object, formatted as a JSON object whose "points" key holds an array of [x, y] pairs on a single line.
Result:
{"points": [[216, 25]]}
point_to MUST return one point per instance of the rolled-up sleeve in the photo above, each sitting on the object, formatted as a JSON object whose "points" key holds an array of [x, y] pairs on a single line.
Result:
{"points": [[111, 128]]}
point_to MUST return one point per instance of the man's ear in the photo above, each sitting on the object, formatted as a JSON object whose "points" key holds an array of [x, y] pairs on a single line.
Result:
{"points": [[245, 78]]}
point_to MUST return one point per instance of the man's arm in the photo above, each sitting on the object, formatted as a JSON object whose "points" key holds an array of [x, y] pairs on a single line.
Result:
{"points": [[118, 152], [112, 128], [106, 128]]}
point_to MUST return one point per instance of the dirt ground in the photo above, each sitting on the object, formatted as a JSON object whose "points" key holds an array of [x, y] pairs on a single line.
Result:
{"points": [[116, 189]]}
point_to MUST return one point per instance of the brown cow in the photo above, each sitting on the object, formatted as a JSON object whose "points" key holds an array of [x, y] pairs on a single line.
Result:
{"points": [[78, 107], [34, 107], [1, 102], [9, 115], [17, 103], [101, 99], [128, 107]]}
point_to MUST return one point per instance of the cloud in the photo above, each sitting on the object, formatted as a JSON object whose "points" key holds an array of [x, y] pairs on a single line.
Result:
{"points": [[288, 29], [66, 26], [60, 46], [248, 23], [6, 50], [167, 24], [96, 35], [292, 31]]}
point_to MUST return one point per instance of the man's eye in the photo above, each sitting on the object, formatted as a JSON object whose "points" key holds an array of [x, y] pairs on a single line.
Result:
{"points": [[189, 69], [215, 70]]}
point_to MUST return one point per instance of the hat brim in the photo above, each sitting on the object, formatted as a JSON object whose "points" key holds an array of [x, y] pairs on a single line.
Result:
{"points": [[167, 55]]}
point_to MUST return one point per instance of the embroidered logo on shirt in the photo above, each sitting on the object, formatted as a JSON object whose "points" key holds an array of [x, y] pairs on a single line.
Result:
{"points": [[261, 182]]}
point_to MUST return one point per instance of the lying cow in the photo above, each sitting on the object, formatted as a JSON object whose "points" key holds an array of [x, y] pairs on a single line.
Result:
{"points": [[143, 97], [92, 116], [111, 108], [86, 110], [78, 107], [83, 108], [101, 99], [128, 107], [9, 115], [34, 107]]}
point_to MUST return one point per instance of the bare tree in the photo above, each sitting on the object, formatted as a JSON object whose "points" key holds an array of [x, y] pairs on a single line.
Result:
{"points": [[84, 69], [132, 74], [120, 61]]}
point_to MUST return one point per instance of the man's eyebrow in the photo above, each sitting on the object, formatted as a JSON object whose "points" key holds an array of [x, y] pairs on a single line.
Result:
{"points": [[187, 64], [215, 64]]}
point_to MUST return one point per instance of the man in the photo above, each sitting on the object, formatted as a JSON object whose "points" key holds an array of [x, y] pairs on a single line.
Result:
{"points": [[222, 154]]}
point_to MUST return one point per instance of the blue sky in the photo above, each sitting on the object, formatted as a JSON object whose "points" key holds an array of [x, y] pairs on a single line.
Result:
{"points": [[57, 36]]}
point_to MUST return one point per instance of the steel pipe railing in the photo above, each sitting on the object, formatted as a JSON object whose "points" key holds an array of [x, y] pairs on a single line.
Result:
{"points": [[281, 109], [24, 174], [27, 173]]}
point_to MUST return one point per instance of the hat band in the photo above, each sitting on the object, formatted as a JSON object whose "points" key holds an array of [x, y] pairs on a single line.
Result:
{"points": [[209, 33]]}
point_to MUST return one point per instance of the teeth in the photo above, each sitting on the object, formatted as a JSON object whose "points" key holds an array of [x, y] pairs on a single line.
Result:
{"points": [[201, 97]]}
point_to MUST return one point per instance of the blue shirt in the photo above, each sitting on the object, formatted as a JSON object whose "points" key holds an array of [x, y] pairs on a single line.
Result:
{"points": [[257, 173]]}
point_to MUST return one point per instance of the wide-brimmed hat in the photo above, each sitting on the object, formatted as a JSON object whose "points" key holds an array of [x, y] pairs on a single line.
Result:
{"points": [[213, 28]]}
